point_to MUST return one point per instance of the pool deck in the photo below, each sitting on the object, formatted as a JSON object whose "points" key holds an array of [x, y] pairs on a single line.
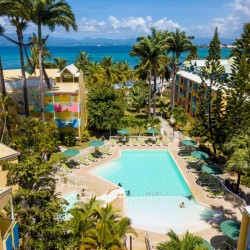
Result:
{"points": [[82, 178]]}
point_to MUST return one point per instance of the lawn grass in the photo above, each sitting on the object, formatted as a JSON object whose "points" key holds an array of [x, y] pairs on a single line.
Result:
{"points": [[56, 157]]}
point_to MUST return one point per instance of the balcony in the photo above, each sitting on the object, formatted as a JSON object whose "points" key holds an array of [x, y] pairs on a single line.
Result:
{"points": [[67, 106], [10, 236], [74, 123]]}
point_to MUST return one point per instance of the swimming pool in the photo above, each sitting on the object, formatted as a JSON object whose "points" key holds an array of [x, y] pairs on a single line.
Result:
{"points": [[156, 190], [145, 173]]}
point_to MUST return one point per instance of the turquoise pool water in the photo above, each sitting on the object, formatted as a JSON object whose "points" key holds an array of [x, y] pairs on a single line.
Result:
{"points": [[146, 173], [157, 189]]}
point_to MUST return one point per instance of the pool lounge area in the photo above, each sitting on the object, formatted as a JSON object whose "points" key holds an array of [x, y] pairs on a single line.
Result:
{"points": [[156, 188], [166, 208]]}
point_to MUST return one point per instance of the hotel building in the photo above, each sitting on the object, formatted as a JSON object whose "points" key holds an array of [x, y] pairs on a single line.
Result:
{"points": [[187, 84], [65, 101]]}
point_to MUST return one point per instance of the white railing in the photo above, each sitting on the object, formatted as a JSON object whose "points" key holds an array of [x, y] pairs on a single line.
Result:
{"points": [[232, 197]]}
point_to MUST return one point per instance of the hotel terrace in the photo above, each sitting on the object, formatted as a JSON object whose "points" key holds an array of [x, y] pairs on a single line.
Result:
{"points": [[65, 101]]}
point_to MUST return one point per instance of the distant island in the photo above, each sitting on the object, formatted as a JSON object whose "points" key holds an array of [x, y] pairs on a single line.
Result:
{"points": [[61, 41]]}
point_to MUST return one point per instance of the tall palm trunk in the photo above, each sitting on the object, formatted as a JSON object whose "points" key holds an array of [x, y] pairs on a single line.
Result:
{"points": [[154, 96], [149, 94], [24, 82], [173, 84], [4, 127], [40, 58], [3, 88], [46, 78]]}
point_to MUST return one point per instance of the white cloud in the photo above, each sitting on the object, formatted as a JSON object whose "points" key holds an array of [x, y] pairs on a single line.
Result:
{"points": [[227, 25], [165, 24], [130, 26], [242, 6], [90, 24]]}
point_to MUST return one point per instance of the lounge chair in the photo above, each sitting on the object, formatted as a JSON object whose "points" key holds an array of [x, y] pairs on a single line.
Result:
{"points": [[195, 170], [165, 141], [112, 142], [158, 142], [83, 161], [65, 167], [120, 143], [106, 151], [150, 143], [91, 157], [217, 195], [128, 143], [99, 154], [214, 188], [206, 183], [142, 141], [134, 141]]}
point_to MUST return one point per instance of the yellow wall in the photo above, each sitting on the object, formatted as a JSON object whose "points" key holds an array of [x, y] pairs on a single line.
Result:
{"points": [[48, 99], [64, 98], [242, 243], [3, 174]]}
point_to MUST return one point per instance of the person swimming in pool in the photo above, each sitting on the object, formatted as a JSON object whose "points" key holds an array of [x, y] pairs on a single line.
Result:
{"points": [[182, 205]]}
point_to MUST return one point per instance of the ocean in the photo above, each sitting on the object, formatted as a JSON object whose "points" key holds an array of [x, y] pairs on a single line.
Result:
{"points": [[10, 54]]}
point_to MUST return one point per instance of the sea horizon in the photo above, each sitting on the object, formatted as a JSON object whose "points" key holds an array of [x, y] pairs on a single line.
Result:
{"points": [[10, 54]]}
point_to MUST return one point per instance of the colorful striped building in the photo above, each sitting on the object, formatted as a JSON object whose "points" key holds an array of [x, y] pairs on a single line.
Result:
{"points": [[187, 83], [65, 101]]}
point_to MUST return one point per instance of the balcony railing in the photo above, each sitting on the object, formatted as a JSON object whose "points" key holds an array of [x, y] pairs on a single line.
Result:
{"points": [[11, 235]]}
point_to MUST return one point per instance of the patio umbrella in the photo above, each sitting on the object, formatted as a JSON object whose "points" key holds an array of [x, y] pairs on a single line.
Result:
{"points": [[71, 152], [123, 131], [189, 143], [200, 155], [208, 245], [152, 131], [231, 229], [96, 143], [211, 169]]}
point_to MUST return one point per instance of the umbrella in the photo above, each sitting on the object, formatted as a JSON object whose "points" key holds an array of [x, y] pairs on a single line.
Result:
{"points": [[96, 143], [71, 152], [231, 229], [152, 131], [123, 131], [189, 142], [200, 155], [211, 169], [208, 245]]}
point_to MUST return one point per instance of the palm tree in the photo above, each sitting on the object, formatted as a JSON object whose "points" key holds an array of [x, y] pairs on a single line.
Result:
{"points": [[2, 83], [16, 11], [188, 242], [60, 63], [178, 43], [109, 229], [82, 61], [84, 217], [150, 49], [123, 71], [109, 69], [94, 74], [5, 101], [49, 13], [239, 150]]}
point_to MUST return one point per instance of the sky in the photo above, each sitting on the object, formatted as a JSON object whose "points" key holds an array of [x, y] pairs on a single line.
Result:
{"points": [[120, 19]]}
